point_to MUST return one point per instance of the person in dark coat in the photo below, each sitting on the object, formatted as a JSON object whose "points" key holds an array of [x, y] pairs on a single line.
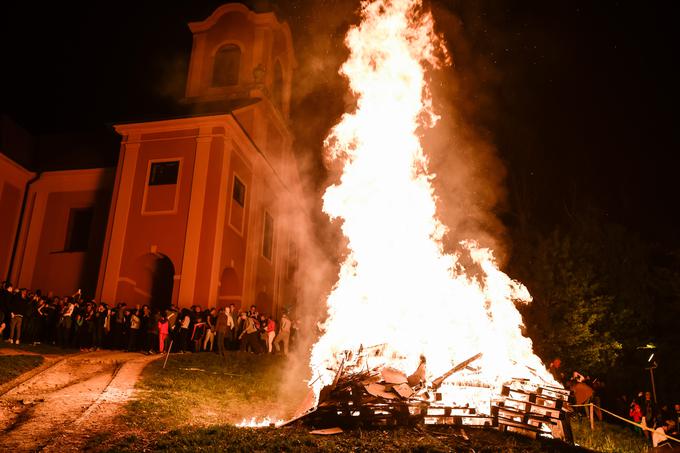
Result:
{"points": [[17, 313], [100, 325], [152, 332], [222, 329]]}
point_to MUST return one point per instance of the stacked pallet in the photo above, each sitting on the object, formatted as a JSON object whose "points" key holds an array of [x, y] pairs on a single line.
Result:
{"points": [[533, 410], [458, 416]]}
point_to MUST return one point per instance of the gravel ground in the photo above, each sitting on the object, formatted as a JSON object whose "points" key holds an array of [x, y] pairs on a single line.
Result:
{"points": [[69, 401]]}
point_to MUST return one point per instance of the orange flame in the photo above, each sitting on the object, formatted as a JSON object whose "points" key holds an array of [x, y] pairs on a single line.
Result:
{"points": [[397, 286], [255, 422]]}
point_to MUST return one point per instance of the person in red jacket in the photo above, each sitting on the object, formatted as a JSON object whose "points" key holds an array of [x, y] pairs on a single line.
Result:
{"points": [[635, 413], [163, 329], [271, 333]]}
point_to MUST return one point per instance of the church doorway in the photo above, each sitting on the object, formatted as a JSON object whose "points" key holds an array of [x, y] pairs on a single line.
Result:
{"points": [[155, 280]]}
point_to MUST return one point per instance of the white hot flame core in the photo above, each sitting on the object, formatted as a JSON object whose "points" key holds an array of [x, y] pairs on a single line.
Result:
{"points": [[397, 286]]}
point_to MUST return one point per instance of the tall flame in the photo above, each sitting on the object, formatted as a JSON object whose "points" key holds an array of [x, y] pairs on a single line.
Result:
{"points": [[397, 286]]}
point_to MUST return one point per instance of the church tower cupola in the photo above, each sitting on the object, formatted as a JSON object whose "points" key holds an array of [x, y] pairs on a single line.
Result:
{"points": [[239, 54]]}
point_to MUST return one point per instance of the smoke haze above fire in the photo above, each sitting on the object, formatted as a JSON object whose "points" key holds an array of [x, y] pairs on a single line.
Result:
{"points": [[578, 97]]}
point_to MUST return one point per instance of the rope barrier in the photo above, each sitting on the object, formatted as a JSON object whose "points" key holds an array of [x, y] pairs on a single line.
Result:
{"points": [[646, 428]]}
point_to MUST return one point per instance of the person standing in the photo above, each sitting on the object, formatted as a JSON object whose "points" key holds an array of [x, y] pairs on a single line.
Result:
{"points": [[635, 414], [30, 322], [250, 335], [163, 330], [271, 333], [152, 331], [17, 312], [648, 413], [232, 319], [90, 325], [144, 325], [100, 318], [173, 330], [210, 319], [198, 333], [135, 324], [65, 322], [222, 328], [261, 322], [42, 312], [183, 335], [284, 335], [119, 327], [233, 316]]}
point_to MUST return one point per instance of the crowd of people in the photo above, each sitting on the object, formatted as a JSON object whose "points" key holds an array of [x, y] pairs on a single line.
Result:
{"points": [[73, 322], [661, 420]]}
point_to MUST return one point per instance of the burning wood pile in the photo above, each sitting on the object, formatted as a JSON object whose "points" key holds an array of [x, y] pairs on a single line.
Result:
{"points": [[365, 396]]}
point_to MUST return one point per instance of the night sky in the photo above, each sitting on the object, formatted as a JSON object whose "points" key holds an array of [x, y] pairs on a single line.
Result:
{"points": [[578, 97]]}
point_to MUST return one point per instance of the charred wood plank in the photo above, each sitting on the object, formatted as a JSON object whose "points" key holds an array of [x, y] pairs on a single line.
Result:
{"points": [[438, 382]]}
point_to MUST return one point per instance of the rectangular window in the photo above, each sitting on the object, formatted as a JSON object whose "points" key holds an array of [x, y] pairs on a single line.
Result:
{"points": [[163, 173], [239, 192], [79, 228], [292, 260], [268, 239]]}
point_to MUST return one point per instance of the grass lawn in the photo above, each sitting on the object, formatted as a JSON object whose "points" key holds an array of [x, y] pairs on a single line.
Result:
{"points": [[193, 404], [298, 439], [12, 366], [199, 390], [607, 437]]}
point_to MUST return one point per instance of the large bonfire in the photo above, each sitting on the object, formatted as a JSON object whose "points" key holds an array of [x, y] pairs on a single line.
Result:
{"points": [[397, 287]]}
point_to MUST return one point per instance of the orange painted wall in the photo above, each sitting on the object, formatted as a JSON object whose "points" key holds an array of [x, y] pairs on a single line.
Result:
{"points": [[234, 241], [63, 272], [164, 231], [207, 243], [10, 205], [246, 118], [264, 280]]}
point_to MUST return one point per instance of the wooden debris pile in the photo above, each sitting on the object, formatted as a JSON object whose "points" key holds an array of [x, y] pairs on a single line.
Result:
{"points": [[361, 396]]}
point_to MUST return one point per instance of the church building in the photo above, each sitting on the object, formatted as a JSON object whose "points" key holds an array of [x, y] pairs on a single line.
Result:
{"points": [[200, 209]]}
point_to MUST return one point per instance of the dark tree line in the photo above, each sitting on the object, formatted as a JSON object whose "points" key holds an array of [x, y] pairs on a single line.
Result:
{"points": [[601, 293]]}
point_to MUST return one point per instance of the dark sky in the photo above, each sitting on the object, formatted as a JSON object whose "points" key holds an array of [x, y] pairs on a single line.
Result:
{"points": [[579, 97]]}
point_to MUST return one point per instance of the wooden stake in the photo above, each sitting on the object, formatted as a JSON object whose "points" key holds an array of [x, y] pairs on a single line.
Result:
{"points": [[167, 355], [592, 418]]}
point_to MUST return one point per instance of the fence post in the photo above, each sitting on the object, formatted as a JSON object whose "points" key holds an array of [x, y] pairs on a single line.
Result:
{"points": [[592, 418]]}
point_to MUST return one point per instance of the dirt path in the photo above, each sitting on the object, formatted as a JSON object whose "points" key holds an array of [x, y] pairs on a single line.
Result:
{"points": [[68, 402]]}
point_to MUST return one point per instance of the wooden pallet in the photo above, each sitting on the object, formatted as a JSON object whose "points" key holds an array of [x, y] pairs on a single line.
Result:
{"points": [[533, 410]]}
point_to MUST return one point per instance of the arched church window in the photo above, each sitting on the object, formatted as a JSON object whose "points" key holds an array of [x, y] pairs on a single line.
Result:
{"points": [[277, 88], [226, 66]]}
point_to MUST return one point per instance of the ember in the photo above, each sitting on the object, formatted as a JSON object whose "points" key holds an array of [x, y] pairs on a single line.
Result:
{"points": [[449, 343]]}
